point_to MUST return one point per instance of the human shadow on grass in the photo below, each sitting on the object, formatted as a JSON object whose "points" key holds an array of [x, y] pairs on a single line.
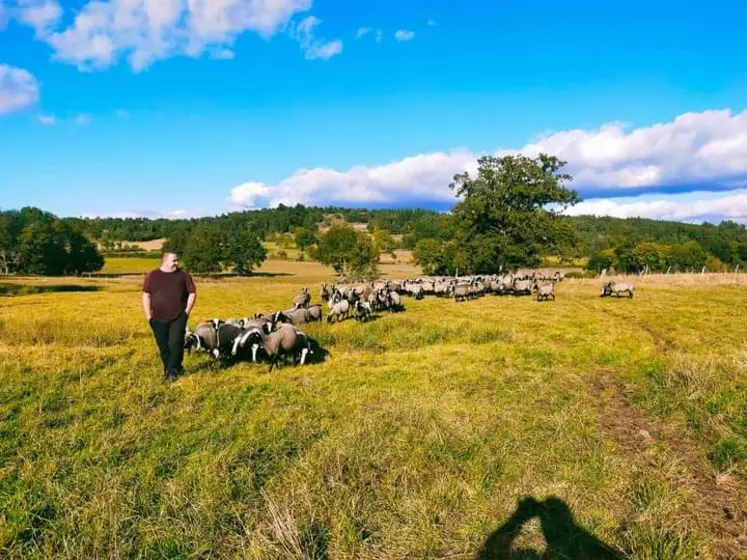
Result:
{"points": [[7, 289], [565, 538]]}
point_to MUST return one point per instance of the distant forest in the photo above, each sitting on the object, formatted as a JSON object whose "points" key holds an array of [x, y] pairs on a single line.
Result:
{"points": [[626, 245]]}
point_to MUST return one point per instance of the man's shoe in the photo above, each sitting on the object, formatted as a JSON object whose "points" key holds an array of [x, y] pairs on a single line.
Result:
{"points": [[171, 376]]}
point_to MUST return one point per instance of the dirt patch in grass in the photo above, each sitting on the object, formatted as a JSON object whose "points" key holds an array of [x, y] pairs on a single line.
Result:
{"points": [[718, 500]]}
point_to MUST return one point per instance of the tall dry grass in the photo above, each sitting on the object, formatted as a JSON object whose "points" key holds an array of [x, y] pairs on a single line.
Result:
{"points": [[415, 438]]}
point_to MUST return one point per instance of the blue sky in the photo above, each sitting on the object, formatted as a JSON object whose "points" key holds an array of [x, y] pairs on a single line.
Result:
{"points": [[242, 105]]}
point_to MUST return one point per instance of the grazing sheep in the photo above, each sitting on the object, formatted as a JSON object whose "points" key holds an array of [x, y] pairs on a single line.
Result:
{"points": [[315, 313], [297, 316], [287, 340], [612, 288], [203, 338], [393, 301], [363, 311]]}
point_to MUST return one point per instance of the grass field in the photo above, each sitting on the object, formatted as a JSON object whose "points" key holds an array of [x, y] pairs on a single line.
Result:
{"points": [[418, 437]]}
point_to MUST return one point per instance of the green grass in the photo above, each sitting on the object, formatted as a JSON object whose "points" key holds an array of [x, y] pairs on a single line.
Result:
{"points": [[129, 265], [416, 438]]}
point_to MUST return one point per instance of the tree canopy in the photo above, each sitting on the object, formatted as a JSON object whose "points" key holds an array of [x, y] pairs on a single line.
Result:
{"points": [[348, 252], [504, 219]]}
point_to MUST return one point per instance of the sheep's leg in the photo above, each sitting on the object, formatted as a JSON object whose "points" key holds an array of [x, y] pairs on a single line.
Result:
{"points": [[255, 347], [304, 351]]}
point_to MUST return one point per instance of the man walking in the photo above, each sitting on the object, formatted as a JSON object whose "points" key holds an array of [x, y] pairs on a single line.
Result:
{"points": [[169, 294]]}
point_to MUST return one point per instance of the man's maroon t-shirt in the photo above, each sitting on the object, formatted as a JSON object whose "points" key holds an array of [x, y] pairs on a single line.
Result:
{"points": [[168, 293]]}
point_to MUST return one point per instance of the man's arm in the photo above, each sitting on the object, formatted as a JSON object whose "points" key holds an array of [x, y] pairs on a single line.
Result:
{"points": [[192, 290], [190, 302], [146, 305], [146, 296]]}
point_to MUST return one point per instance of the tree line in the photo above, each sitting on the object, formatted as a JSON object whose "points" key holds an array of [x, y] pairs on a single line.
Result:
{"points": [[508, 215], [36, 242]]}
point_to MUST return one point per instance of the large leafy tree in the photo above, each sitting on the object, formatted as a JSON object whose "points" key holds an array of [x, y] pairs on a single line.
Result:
{"points": [[347, 251], [508, 216], [213, 248], [204, 249], [305, 237], [243, 251], [42, 248]]}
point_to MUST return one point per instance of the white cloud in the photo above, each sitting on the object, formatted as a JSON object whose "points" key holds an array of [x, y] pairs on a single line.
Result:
{"points": [[404, 35], [121, 114], [42, 15], [696, 151], [152, 214], [378, 36], [18, 89], [314, 48], [431, 23], [47, 120], [362, 32], [710, 146], [83, 119], [422, 177], [695, 207], [143, 31]]}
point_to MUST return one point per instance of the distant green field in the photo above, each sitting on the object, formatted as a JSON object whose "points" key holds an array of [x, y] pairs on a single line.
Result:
{"points": [[418, 437], [128, 265]]}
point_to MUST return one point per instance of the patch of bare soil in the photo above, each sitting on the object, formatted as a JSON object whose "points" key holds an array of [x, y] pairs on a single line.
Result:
{"points": [[719, 504]]}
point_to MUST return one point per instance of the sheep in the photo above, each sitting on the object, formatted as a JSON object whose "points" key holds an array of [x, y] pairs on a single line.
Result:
{"points": [[363, 311], [204, 337], [287, 340], [325, 292], [544, 291], [522, 287], [393, 300], [315, 313], [461, 292], [303, 299], [610, 288], [297, 316], [337, 310]]}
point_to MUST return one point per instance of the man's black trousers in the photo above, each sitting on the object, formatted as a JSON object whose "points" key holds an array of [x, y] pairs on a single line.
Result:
{"points": [[170, 338]]}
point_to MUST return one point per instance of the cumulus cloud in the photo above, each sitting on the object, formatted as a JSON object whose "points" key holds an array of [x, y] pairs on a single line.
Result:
{"points": [[313, 48], [42, 15], [143, 31], [18, 89], [418, 178], [695, 207], [362, 32], [404, 35], [47, 120], [696, 151]]}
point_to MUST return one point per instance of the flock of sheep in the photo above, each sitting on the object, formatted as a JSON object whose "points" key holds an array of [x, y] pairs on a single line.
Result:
{"points": [[275, 336]]}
